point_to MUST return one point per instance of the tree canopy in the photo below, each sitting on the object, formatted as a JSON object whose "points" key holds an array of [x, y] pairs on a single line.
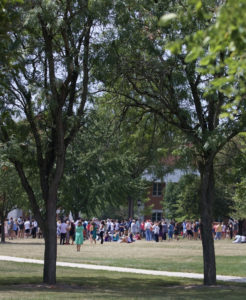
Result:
{"points": [[45, 93], [177, 85], [184, 70]]}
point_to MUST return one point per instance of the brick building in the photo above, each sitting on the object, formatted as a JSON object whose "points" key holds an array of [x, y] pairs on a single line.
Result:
{"points": [[155, 196], [156, 192]]}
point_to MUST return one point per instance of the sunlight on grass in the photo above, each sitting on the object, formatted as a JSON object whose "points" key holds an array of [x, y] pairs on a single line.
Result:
{"points": [[183, 255], [23, 281]]}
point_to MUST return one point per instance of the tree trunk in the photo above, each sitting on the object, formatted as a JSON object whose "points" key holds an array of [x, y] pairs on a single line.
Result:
{"points": [[50, 252], [75, 215], [206, 204], [240, 227], [2, 229], [130, 207]]}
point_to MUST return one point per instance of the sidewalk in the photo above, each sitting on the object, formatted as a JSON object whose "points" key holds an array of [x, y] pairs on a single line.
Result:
{"points": [[125, 270]]}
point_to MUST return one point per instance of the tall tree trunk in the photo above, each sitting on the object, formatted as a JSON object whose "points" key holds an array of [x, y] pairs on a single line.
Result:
{"points": [[75, 215], [206, 204], [2, 229], [240, 227], [50, 252], [130, 207], [3, 216]]}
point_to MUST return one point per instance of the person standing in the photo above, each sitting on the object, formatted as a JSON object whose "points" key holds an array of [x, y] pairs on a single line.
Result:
{"points": [[218, 231], [223, 230], [121, 228], [58, 229], [164, 228], [142, 229], [21, 228], [79, 238], [15, 228], [184, 229], [10, 228], [156, 230], [176, 232], [34, 228], [189, 230], [117, 225], [63, 231], [101, 230], [27, 226], [147, 228], [67, 232], [231, 231], [94, 232], [170, 231], [195, 230], [72, 231], [134, 227]]}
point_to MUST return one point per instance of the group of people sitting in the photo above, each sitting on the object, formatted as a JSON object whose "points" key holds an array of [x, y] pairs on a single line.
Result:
{"points": [[239, 239]]}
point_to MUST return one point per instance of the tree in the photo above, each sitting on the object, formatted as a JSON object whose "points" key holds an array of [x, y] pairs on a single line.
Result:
{"points": [[181, 199], [171, 86], [8, 20], [234, 179], [110, 167], [11, 193], [45, 93], [99, 175], [142, 139]]}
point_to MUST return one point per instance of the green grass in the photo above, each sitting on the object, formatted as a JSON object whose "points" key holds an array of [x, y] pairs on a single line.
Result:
{"points": [[23, 281], [183, 256]]}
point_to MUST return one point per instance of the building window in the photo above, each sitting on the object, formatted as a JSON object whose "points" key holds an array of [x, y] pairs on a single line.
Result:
{"points": [[156, 216], [157, 189]]}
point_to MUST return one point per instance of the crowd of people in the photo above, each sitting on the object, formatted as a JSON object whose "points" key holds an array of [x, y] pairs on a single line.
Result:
{"points": [[128, 231], [21, 228], [124, 231]]}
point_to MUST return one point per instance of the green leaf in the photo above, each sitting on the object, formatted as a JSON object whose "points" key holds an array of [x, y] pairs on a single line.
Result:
{"points": [[193, 54], [166, 19]]}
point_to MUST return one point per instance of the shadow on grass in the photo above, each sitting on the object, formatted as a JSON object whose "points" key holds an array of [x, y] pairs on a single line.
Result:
{"points": [[22, 243], [102, 287]]}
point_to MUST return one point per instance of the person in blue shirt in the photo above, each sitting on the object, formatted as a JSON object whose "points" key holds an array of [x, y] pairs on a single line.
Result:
{"points": [[170, 231]]}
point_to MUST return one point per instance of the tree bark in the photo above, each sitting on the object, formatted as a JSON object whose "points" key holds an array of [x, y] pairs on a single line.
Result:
{"points": [[240, 227], [76, 215], [50, 252], [2, 229], [206, 204], [130, 207]]}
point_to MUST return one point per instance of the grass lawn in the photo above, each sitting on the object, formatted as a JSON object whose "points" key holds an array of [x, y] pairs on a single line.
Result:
{"points": [[23, 281], [184, 255]]}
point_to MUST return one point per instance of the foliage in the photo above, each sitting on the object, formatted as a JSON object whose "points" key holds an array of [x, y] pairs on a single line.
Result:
{"points": [[181, 199], [230, 174], [9, 17], [105, 163], [12, 194], [234, 178], [239, 204], [157, 72], [220, 51], [170, 200], [45, 97]]}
